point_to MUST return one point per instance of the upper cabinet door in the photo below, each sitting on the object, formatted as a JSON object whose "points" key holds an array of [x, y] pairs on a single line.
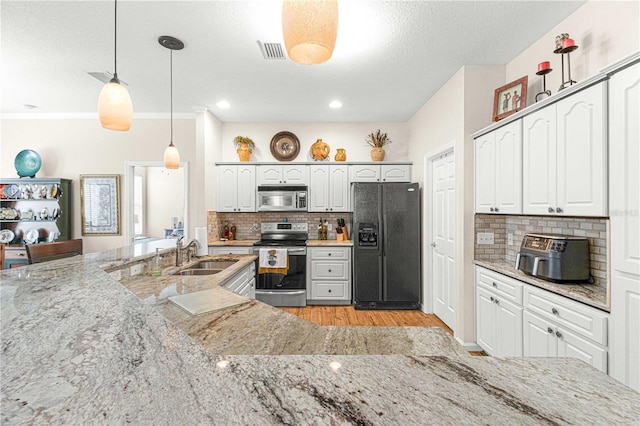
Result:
{"points": [[339, 188], [269, 174], [246, 188], [508, 169], [485, 173], [227, 188], [295, 175], [539, 162], [395, 173], [364, 173], [582, 153], [624, 170], [318, 188]]}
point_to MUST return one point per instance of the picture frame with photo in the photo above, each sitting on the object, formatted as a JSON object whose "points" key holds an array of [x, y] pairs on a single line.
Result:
{"points": [[510, 98]]}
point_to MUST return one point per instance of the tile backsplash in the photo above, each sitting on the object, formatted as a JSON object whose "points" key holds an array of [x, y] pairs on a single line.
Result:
{"points": [[595, 229], [245, 223]]}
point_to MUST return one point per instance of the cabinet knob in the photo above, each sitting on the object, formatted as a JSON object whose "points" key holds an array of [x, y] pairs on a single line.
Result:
{"points": [[490, 209], [550, 210], [433, 244], [491, 298], [549, 330], [496, 209], [497, 302], [329, 271], [494, 284], [558, 210], [329, 290], [329, 254], [558, 334], [554, 311]]}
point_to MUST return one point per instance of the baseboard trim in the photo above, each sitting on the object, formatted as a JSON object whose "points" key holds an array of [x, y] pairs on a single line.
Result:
{"points": [[469, 346]]}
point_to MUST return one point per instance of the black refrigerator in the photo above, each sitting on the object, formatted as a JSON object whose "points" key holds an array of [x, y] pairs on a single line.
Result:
{"points": [[386, 224]]}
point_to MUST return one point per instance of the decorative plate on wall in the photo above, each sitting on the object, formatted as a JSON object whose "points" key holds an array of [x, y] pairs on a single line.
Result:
{"points": [[285, 146]]}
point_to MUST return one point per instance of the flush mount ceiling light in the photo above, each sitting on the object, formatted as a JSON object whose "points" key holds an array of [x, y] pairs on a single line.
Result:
{"points": [[114, 104], [335, 104], [171, 154], [223, 105], [310, 29]]}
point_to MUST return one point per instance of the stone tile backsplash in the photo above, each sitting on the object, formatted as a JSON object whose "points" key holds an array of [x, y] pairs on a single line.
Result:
{"points": [[245, 223], [595, 229]]}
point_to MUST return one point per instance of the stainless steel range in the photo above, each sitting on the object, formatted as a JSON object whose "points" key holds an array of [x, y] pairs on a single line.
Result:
{"points": [[282, 264]]}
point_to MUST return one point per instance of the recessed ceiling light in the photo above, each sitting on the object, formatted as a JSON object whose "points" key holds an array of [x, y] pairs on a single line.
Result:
{"points": [[335, 104], [30, 107], [223, 105]]}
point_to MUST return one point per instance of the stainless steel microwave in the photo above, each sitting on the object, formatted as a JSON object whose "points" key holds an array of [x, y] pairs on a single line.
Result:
{"points": [[281, 198]]}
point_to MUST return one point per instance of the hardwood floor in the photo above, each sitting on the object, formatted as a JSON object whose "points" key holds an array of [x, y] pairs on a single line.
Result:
{"points": [[347, 315]]}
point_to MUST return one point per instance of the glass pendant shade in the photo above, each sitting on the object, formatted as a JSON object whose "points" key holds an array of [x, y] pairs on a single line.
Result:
{"points": [[114, 107], [171, 157], [310, 29]]}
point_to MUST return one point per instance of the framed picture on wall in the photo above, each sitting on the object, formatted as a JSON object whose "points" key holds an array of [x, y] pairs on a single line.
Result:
{"points": [[100, 204], [510, 98]]}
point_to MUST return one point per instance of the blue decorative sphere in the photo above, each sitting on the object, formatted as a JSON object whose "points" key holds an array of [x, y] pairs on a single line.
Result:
{"points": [[27, 163]]}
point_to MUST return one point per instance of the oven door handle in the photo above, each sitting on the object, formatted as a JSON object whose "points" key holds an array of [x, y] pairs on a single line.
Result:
{"points": [[286, 293]]}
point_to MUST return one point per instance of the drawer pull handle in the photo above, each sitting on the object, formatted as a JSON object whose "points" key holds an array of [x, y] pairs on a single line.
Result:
{"points": [[558, 334], [549, 330], [554, 311]]}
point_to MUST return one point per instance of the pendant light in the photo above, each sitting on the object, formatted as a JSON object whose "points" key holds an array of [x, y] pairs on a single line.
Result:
{"points": [[171, 154], [114, 104], [310, 29]]}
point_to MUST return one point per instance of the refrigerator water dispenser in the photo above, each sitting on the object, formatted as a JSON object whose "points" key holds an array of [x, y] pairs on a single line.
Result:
{"points": [[368, 235]]}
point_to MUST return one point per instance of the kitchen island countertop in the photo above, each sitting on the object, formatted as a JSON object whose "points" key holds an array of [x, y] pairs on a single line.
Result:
{"points": [[79, 347]]}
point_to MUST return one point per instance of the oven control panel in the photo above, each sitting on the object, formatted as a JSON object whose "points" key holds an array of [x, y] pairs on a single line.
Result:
{"points": [[270, 227]]}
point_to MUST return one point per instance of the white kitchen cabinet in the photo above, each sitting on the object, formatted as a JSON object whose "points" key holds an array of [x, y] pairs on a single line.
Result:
{"points": [[329, 275], [498, 313], [498, 170], [243, 282], [236, 188], [624, 204], [380, 173], [276, 174], [564, 156], [230, 250], [328, 188], [559, 327], [544, 338]]}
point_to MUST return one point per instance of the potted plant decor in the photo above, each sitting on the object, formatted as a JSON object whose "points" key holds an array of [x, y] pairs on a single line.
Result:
{"points": [[244, 147], [377, 140]]}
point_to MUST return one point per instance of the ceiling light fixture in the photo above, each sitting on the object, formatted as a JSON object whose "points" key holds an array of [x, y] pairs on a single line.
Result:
{"points": [[335, 104], [223, 105], [114, 104], [171, 154], [310, 29]]}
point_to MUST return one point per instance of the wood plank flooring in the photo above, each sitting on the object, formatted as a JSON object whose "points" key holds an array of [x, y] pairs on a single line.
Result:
{"points": [[347, 315]]}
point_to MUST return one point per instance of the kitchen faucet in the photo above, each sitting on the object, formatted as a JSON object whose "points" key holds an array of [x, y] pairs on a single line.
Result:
{"points": [[193, 245]]}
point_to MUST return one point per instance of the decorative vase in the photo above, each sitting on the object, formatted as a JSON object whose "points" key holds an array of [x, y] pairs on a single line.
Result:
{"points": [[341, 155], [377, 154], [244, 152], [320, 150]]}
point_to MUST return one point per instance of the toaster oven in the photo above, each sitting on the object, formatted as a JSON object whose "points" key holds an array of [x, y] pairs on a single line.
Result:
{"points": [[553, 257]]}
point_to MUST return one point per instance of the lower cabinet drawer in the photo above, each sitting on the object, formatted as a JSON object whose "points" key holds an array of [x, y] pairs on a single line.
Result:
{"points": [[329, 270], [329, 290]]}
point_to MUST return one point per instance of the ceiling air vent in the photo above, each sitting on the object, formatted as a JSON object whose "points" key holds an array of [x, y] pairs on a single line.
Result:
{"points": [[271, 50], [104, 77]]}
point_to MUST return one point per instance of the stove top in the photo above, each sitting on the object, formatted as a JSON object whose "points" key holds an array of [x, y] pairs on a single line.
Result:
{"points": [[283, 234]]}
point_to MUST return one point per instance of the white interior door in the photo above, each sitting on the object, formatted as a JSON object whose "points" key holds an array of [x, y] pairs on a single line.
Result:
{"points": [[443, 262]]}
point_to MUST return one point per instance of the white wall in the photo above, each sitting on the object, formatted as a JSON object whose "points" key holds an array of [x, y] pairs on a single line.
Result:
{"points": [[71, 147], [604, 31], [350, 136]]}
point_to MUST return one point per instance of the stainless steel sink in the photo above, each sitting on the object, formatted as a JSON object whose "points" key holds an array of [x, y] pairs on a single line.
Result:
{"points": [[198, 272], [212, 264]]}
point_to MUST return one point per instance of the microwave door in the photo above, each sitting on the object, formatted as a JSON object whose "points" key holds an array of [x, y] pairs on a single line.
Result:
{"points": [[275, 201]]}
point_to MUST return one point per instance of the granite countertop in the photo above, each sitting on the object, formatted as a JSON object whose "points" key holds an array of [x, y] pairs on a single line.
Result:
{"points": [[240, 243], [78, 347], [588, 294], [329, 243]]}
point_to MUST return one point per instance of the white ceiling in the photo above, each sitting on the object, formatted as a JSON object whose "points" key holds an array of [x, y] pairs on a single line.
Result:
{"points": [[390, 56]]}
